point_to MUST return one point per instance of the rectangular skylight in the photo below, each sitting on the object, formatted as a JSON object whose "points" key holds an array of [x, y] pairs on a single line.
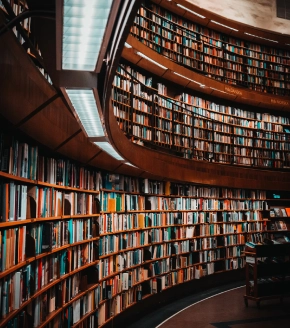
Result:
{"points": [[108, 148], [84, 103], [84, 24]]}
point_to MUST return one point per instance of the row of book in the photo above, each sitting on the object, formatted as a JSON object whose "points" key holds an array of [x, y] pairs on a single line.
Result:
{"points": [[113, 243], [47, 303], [166, 23], [206, 106], [180, 238], [119, 182], [127, 280], [119, 303], [280, 212], [119, 202], [167, 135], [163, 17], [23, 160], [19, 287], [21, 243], [67, 173], [21, 202], [173, 46], [116, 222], [263, 121]]}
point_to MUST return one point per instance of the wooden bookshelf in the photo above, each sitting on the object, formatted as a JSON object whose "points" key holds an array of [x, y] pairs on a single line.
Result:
{"points": [[196, 128], [157, 235], [218, 55], [49, 234], [94, 258], [267, 272], [23, 33], [216, 246]]}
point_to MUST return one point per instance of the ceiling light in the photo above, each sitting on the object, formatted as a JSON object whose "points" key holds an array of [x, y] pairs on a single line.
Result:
{"points": [[231, 28], [191, 11], [108, 148], [85, 106], [256, 36], [84, 24], [185, 77], [127, 163], [218, 90], [151, 60]]}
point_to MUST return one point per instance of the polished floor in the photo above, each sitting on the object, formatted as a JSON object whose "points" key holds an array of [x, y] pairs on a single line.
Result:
{"points": [[221, 308]]}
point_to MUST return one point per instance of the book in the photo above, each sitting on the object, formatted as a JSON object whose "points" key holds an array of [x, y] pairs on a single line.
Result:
{"points": [[277, 211], [47, 237], [287, 209], [250, 244], [283, 212]]}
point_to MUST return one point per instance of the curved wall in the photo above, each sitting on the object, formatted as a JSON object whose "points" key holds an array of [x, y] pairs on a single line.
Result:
{"points": [[261, 14]]}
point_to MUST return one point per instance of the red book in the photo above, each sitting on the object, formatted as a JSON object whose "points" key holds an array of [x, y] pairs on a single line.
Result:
{"points": [[287, 209], [39, 274]]}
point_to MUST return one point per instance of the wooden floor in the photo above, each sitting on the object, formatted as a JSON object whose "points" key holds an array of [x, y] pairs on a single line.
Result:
{"points": [[228, 309]]}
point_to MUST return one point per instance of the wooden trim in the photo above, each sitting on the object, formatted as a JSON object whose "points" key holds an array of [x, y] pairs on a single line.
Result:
{"points": [[169, 167], [37, 110], [212, 87], [59, 32], [283, 39]]}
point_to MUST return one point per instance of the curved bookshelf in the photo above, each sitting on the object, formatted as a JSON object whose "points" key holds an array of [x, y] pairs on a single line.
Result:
{"points": [[150, 242], [139, 53], [193, 127], [220, 55], [216, 245], [49, 235]]}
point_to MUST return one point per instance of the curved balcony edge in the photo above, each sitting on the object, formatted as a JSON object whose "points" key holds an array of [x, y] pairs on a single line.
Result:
{"points": [[211, 87], [174, 168], [237, 28]]}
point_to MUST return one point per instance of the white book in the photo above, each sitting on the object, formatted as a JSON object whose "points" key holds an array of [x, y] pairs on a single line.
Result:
{"points": [[189, 218], [12, 199], [146, 186], [17, 290], [76, 311], [190, 232], [36, 321], [125, 281], [23, 203]]}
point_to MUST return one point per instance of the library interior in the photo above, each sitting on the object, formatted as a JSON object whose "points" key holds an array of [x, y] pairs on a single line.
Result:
{"points": [[144, 163]]}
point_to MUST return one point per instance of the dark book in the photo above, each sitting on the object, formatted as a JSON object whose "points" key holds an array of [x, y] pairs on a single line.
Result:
{"points": [[29, 246], [147, 254], [139, 295], [92, 275], [95, 228], [47, 237]]}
